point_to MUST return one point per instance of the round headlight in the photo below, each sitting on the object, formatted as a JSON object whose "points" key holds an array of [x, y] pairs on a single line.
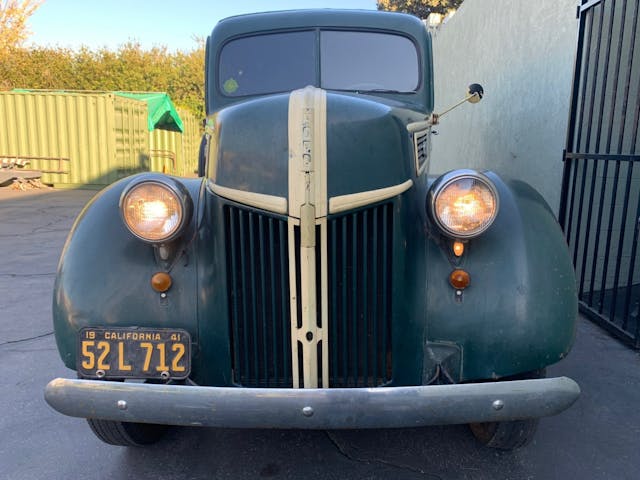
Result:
{"points": [[463, 203], [155, 211]]}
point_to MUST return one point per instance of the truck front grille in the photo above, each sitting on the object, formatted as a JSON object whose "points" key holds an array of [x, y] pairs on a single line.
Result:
{"points": [[359, 271], [360, 297], [258, 285]]}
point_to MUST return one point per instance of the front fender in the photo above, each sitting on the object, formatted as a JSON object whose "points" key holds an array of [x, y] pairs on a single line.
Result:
{"points": [[104, 274], [519, 312]]}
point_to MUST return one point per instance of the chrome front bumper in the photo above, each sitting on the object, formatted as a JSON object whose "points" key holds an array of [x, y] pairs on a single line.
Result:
{"points": [[385, 407]]}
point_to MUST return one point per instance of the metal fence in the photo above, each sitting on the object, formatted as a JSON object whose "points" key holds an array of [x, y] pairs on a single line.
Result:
{"points": [[600, 205]]}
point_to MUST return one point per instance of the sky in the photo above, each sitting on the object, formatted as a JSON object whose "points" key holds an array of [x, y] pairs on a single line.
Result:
{"points": [[108, 24]]}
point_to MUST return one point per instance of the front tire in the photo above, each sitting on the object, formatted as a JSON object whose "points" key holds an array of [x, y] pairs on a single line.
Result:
{"points": [[509, 435], [505, 435], [126, 434]]}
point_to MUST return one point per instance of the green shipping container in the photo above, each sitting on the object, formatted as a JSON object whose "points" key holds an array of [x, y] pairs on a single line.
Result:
{"points": [[91, 139]]}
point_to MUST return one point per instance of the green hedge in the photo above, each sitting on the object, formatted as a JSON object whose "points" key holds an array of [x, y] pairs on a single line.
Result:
{"points": [[130, 68]]}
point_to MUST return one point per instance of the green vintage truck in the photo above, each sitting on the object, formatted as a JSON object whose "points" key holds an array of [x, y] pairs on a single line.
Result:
{"points": [[317, 275]]}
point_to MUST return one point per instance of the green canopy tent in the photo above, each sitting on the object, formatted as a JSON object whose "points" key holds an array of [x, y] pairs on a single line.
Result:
{"points": [[162, 112]]}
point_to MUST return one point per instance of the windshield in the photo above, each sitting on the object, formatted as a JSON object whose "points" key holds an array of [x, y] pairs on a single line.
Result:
{"points": [[351, 61], [368, 61], [277, 62]]}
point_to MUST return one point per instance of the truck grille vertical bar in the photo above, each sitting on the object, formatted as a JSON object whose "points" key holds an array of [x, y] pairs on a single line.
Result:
{"points": [[385, 300], [257, 273]]}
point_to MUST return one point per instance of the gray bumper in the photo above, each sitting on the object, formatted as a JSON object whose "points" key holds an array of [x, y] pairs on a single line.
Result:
{"points": [[313, 408]]}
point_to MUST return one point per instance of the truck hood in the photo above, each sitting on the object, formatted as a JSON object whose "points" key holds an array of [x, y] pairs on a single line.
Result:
{"points": [[357, 144]]}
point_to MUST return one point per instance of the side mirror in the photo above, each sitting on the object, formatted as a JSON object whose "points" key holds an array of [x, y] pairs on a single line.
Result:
{"points": [[475, 92]]}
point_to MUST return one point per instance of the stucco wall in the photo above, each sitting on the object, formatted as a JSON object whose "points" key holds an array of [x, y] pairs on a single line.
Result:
{"points": [[522, 53]]}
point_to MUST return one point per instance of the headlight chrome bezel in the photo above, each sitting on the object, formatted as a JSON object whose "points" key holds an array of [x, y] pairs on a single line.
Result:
{"points": [[448, 180], [170, 186]]}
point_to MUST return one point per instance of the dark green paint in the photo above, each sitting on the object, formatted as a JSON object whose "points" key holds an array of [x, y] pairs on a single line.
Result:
{"points": [[104, 279], [367, 145], [253, 139], [517, 315]]}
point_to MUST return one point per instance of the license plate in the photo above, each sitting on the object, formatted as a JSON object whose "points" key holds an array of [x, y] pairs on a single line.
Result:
{"points": [[149, 353]]}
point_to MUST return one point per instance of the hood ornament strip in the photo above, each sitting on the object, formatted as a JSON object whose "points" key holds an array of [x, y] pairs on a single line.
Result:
{"points": [[307, 211]]}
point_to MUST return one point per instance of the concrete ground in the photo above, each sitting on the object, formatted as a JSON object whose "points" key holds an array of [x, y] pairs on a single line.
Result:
{"points": [[598, 438]]}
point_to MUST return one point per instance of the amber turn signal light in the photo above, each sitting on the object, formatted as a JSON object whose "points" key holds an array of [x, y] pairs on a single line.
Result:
{"points": [[458, 248], [161, 282], [459, 279]]}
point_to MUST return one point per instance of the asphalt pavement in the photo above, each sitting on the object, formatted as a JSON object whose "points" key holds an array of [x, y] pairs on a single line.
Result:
{"points": [[597, 438]]}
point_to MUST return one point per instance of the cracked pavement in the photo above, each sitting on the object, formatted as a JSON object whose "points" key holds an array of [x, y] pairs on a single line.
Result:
{"points": [[598, 438]]}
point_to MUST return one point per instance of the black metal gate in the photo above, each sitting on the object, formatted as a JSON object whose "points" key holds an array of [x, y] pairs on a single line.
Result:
{"points": [[600, 205]]}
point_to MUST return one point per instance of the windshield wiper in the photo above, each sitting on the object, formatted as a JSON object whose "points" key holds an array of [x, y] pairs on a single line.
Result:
{"points": [[381, 90]]}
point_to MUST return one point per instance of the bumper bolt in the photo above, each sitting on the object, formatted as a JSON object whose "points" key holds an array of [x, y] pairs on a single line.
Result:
{"points": [[307, 411], [122, 405], [497, 405]]}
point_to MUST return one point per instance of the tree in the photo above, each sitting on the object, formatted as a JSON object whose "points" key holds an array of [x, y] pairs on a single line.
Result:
{"points": [[13, 21], [419, 8], [131, 68]]}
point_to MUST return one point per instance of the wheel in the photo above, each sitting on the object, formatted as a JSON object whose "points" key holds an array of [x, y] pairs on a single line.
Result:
{"points": [[126, 434], [505, 435], [512, 434]]}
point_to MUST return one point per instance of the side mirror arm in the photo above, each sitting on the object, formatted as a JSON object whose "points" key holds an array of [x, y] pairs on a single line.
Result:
{"points": [[474, 95]]}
